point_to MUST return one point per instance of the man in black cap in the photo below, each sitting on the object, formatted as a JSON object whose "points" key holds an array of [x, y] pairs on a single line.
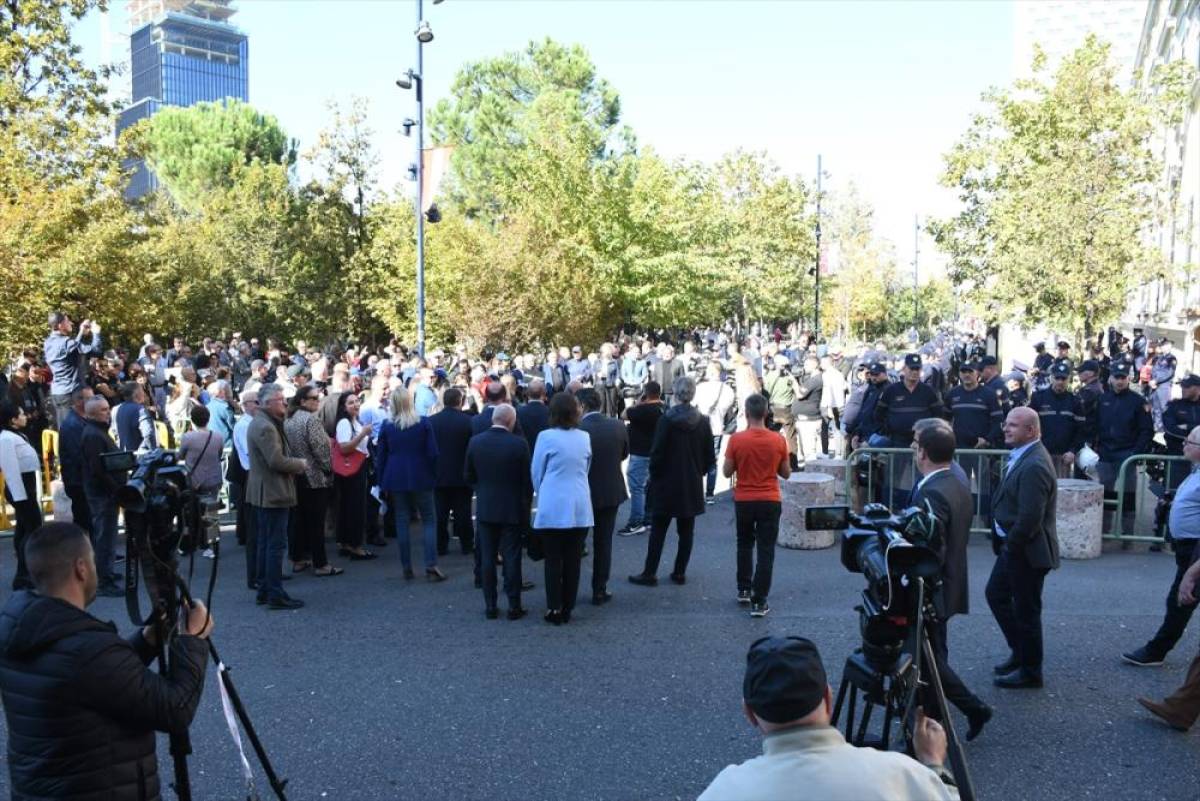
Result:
{"points": [[1062, 418], [1064, 352], [862, 427], [1179, 417], [1119, 426], [1041, 366], [899, 407], [1091, 384], [786, 696], [989, 376], [1162, 376]]}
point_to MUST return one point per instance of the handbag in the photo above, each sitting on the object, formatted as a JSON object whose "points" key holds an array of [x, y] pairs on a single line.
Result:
{"points": [[345, 464]]}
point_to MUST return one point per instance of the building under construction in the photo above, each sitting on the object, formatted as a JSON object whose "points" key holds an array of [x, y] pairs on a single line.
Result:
{"points": [[182, 52]]}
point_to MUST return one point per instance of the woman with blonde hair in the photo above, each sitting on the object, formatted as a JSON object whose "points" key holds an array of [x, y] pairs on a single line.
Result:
{"points": [[406, 464]]}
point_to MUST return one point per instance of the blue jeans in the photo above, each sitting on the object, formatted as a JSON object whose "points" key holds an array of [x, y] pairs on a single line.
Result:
{"points": [[104, 535], [422, 501], [638, 473], [710, 486], [272, 534]]}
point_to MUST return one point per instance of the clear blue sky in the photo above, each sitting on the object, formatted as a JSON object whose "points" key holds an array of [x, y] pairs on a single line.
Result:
{"points": [[880, 89]]}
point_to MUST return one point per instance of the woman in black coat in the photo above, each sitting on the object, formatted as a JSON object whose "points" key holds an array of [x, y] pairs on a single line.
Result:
{"points": [[680, 458]]}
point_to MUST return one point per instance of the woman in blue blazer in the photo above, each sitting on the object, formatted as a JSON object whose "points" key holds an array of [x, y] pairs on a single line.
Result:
{"points": [[406, 464], [561, 459]]}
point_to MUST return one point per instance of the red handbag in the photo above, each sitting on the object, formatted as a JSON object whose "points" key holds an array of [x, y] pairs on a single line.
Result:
{"points": [[345, 464]]}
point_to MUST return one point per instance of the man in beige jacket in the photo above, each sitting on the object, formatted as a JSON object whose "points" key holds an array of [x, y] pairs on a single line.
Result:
{"points": [[271, 492]]}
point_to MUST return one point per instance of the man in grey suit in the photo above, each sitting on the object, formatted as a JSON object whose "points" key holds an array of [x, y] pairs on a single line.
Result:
{"points": [[949, 498], [610, 447], [1026, 547]]}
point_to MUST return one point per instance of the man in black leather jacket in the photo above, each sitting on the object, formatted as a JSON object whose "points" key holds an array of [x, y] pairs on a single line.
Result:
{"points": [[81, 704]]}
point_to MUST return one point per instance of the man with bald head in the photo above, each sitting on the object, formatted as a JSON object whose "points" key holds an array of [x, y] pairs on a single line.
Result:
{"points": [[100, 487], [497, 466], [1026, 546]]}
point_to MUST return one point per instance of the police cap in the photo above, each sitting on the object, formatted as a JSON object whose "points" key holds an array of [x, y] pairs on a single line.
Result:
{"points": [[876, 368], [1090, 366], [1062, 343], [1190, 381], [1060, 370], [969, 367], [988, 361], [1119, 370], [913, 360]]}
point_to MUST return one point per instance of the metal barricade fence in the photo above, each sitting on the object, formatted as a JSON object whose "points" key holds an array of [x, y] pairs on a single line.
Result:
{"points": [[889, 472], [1143, 488], [50, 468]]}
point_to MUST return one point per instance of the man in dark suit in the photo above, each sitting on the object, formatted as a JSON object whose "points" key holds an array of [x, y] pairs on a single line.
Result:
{"points": [[610, 447], [452, 430], [1026, 546], [534, 416], [949, 498], [493, 395], [497, 466]]}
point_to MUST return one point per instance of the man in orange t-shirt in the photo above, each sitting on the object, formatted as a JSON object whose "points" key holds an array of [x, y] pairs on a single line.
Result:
{"points": [[758, 457]]}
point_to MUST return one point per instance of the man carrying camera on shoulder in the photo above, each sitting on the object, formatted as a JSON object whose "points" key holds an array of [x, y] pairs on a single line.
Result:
{"points": [[81, 704], [786, 696]]}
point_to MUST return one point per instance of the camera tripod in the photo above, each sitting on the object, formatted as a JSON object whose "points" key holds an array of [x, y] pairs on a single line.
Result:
{"points": [[893, 684], [166, 588]]}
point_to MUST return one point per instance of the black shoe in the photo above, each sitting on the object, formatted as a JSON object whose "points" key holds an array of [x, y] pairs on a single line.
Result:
{"points": [[759, 609], [1019, 679], [527, 585], [976, 720], [435, 575], [408, 574], [601, 598], [631, 529], [378, 542], [679, 578], [643, 580], [553, 616], [285, 578], [260, 600], [565, 616], [517, 612], [252, 585], [743, 596], [285, 603], [1143, 658], [1007, 666], [492, 614]]}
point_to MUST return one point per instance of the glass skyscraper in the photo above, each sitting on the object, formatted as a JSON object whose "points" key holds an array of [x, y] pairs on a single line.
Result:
{"points": [[182, 52]]}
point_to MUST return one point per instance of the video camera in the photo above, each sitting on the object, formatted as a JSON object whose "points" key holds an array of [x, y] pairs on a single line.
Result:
{"points": [[159, 489]]}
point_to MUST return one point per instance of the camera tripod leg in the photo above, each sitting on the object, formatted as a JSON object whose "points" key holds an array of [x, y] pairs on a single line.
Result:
{"points": [[958, 763], [850, 712], [837, 705], [276, 783], [868, 708]]}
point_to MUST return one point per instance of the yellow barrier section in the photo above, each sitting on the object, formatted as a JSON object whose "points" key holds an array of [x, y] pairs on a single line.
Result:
{"points": [[162, 434], [4, 523], [50, 467]]}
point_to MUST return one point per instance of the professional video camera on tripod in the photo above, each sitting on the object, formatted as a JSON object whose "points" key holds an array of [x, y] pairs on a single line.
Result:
{"points": [[166, 518], [898, 555]]}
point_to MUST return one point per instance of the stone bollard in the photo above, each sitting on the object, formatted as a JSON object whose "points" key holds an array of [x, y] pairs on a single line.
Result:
{"points": [[801, 491], [1079, 518], [831, 467]]}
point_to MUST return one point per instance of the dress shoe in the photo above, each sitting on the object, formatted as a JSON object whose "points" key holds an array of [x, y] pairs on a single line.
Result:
{"points": [[517, 612], [679, 578], [565, 616], [1143, 657], [435, 575], [601, 598], [492, 614], [1165, 714], [553, 616], [1018, 680], [644, 580], [408, 573], [1007, 666], [977, 719], [285, 603]]}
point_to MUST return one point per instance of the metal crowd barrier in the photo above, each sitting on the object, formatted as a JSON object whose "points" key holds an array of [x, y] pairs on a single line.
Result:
{"points": [[982, 467], [1142, 490], [50, 468], [5, 523]]}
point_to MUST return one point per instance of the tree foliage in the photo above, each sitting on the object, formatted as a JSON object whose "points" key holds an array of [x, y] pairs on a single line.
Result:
{"points": [[1056, 181]]}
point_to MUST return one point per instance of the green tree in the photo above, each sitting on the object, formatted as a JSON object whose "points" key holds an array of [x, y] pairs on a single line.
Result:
{"points": [[196, 149], [1055, 180], [865, 266], [345, 154]]}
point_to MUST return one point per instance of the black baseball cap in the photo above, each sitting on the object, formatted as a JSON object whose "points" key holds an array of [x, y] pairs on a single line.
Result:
{"points": [[1190, 381], [875, 368], [913, 360], [971, 367], [1090, 366], [988, 361], [1062, 343], [1060, 370], [785, 679], [1120, 370]]}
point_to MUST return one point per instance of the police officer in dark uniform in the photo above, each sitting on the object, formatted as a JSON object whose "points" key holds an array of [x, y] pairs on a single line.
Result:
{"points": [[976, 419], [864, 429], [899, 407], [1138, 348], [1179, 418], [1063, 421], [989, 374], [1041, 366], [1119, 426], [1091, 385], [1162, 375], [1018, 387]]}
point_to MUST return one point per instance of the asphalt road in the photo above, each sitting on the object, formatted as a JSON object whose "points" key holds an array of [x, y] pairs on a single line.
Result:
{"points": [[385, 689]]}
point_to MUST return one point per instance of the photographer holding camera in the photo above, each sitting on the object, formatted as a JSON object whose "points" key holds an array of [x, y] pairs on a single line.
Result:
{"points": [[949, 498], [786, 696], [81, 705]]}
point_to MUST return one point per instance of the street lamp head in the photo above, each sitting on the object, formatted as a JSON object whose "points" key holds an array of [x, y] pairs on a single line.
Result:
{"points": [[412, 172], [405, 81], [408, 125], [424, 33]]}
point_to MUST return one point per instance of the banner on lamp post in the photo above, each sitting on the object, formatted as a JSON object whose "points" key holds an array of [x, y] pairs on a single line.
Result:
{"points": [[435, 163]]}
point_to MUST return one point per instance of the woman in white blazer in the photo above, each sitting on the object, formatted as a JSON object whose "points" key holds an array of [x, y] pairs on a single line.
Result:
{"points": [[561, 460]]}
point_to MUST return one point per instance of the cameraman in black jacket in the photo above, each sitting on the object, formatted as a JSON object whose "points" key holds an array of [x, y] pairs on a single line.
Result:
{"points": [[81, 704]]}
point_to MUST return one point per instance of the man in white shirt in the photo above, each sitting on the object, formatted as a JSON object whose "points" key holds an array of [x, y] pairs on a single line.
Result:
{"points": [[786, 696]]}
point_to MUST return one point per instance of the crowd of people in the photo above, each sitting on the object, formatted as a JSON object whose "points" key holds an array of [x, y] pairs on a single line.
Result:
{"points": [[527, 456]]}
